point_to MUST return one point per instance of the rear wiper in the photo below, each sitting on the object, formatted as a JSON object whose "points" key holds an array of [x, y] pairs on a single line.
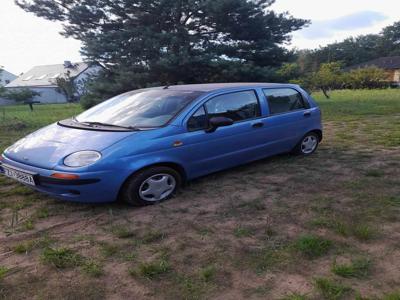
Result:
{"points": [[108, 125]]}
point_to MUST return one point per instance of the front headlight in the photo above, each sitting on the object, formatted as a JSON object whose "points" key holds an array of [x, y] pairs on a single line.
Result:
{"points": [[81, 159]]}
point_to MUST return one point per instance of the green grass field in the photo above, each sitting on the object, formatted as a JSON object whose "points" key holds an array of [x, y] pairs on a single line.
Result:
{"points": [[321, 227]]}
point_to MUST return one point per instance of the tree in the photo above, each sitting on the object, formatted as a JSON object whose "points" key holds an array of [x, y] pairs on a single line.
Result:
{"points": [[66, 86], [155, 42], [289, 71], [353, 50], [391, 39], [328, 77], [21, 95], [366, 78]]}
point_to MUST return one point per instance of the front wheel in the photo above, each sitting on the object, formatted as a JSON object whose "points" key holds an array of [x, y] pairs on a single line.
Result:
{"points": [[307, 145], [151, 185]]}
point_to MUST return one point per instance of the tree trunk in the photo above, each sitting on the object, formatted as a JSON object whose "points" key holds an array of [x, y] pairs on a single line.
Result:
{"points": [[325, 93]]}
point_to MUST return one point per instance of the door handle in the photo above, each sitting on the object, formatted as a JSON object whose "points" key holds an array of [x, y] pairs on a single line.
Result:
{"points": [[307, 113], [258, 125]]}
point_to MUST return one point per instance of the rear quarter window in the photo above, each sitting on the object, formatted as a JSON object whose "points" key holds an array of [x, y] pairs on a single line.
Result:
{"points": [[284, 100]]}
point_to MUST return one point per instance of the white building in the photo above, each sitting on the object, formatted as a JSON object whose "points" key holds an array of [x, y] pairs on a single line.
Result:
{"points": [[6, 77], [42, 79]]}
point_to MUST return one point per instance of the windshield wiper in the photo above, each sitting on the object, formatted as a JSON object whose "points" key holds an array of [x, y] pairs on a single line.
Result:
{"points": [[107, 125]]}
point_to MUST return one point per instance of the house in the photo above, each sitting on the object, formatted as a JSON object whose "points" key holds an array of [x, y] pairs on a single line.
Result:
{"points": [[43, 79], [390, 64], [6, 77]]}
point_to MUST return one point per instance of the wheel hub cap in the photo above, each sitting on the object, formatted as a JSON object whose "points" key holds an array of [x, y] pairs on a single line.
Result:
{"points": [[157, 187], [309, 144]]}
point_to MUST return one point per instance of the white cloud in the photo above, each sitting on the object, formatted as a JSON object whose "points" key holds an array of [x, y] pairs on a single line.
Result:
{"points": [[355, 21], [26, 40], [325, 14]]}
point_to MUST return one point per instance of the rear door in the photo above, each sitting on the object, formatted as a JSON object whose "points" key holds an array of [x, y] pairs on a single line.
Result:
{"points": [[288, 120], [227, 146]]}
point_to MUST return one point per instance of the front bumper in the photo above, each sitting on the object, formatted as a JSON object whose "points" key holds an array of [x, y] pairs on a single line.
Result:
{"points": [[91, 187]]}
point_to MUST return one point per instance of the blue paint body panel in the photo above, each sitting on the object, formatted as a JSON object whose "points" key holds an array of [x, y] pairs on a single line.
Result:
{"points": [[125, 152]]}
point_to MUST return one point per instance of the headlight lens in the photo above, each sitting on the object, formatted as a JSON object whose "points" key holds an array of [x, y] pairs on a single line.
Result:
{"points": [[82, 159]]}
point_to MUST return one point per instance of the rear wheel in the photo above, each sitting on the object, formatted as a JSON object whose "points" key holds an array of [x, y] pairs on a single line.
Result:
{"points": [[307, 145], [151, 185]]}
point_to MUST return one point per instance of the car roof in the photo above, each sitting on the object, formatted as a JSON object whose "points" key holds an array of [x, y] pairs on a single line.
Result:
{"points": [[212, 87]]}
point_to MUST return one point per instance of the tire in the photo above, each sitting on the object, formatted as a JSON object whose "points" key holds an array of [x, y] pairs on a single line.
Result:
{"points": [[307, 145], [151, 186]]}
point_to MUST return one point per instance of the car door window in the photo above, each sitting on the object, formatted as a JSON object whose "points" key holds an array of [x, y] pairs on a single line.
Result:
{"points": [[283, 100], [237, 106], [198, 120]]}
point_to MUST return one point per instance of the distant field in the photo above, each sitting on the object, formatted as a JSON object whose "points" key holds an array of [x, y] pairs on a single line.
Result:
{"points": [[322, 227]]}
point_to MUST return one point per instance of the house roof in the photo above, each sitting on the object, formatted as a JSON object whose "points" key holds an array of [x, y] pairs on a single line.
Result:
{"points": [[45, 76], [5, 75], [387, 63]]}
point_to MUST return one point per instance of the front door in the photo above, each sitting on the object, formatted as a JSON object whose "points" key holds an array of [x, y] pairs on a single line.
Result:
{"points": [[227, 146]]}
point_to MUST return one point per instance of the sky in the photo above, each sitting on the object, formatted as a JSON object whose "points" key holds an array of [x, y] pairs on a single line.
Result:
{"points": [[27, 41]]}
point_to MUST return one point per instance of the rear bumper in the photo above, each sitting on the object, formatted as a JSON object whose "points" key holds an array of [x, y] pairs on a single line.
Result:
{"points": [[91, 187]]}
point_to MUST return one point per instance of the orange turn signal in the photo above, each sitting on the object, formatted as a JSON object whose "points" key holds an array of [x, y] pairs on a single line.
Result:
{"points": [[65, 176]]}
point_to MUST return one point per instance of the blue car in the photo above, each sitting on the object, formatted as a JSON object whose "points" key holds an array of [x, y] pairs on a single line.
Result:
{"points": [[142, 146]]}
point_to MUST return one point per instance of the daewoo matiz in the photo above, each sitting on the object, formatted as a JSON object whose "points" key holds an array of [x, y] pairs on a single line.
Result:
{"points": [[141, 146]]}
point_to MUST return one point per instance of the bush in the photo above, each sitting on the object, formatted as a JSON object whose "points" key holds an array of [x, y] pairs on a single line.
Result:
{"points": [[89, 100], [366, 78]]}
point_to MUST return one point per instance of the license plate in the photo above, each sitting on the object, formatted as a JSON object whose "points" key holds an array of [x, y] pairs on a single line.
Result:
{"points": [[19, 176]]}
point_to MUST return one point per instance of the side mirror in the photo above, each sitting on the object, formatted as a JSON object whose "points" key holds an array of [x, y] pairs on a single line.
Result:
{"points": [[219, 122]]}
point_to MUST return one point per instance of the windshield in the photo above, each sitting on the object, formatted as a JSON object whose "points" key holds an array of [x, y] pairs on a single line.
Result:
{"points": [[142, 108]]}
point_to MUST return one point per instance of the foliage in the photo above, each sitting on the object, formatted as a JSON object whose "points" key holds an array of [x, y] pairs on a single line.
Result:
{"points": [[66, 86], [20, 94], [353, 50], [147, 43], [289, 71], [366, 78], [331, 76]]}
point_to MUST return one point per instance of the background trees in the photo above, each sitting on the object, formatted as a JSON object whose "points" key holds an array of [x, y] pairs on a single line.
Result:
{"points": [[353, 50], [157, 42]]}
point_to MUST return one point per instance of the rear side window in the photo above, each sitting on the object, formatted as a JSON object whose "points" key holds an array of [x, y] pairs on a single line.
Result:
{"points": [[237, 106], [283, 100]]}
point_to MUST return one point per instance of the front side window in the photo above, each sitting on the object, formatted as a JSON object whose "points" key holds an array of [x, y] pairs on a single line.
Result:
{"points": [[237, 106], [283, 100], [142, 108], [198, 120]]}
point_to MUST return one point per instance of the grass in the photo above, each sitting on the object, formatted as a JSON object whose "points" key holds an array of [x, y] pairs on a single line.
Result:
{"points": [[392, 296], [108, 249], [364, 232], [3, 272], [295, 296], [26, 247], [151, 270], [241, 231], [330, 289], [92, 268], [312, 246], [358, 268], [208, 273], [122, 232], [62, 258], [256, 231]]}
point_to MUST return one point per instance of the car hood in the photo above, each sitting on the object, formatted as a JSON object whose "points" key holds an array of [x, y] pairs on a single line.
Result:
{"points": [[48, 146]]}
